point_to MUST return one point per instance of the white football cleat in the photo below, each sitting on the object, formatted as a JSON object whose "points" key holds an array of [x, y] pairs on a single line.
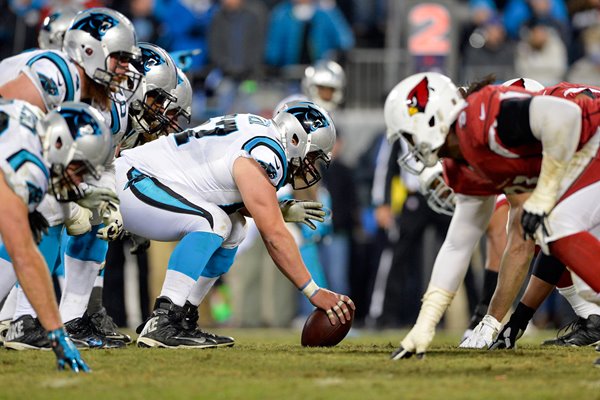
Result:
{"points": [[483, 335]]}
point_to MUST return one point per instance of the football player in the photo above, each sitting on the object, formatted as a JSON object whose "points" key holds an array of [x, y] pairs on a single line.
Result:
{"points": [[198, 184], [76, 142], [94, 66], [428, 112]]}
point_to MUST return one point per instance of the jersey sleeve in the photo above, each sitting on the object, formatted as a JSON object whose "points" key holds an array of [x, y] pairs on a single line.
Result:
{"points": [[55, 78], [270, 156], [27, 177]]}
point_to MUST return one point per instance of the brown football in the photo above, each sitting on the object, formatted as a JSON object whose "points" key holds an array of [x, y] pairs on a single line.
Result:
{"points": [[318, 331]]}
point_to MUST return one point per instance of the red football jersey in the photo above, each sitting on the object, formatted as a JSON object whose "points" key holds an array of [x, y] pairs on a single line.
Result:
{"points": [[491, 167]]}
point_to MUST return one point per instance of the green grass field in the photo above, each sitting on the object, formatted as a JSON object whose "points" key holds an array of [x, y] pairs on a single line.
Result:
{"points": [[270, 364]]}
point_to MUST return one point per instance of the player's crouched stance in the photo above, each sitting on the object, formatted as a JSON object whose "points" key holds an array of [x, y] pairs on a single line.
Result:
{"points": [[197, 185], [24, 178]]}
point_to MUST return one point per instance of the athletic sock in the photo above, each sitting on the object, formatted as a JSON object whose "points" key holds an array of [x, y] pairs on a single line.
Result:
{"points": [[200, 290], [490, 279], [581, 307], [23, 306], [80, 276], [8, 308]]}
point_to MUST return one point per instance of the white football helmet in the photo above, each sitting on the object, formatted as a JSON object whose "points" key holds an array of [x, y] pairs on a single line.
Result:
{"points": [[76, 141], [308, 135], [180, 111], [528, 84], [54, 27], [327, 74], [421, 109], [149, 106], [103, 41], [440, 197]]}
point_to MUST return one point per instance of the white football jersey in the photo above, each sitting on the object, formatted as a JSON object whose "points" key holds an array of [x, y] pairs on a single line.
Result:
{"points": [[200, 160], [51, 71], [21, 158]]}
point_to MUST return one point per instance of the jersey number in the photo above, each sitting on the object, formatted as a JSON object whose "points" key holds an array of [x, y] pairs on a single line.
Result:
{"points": [[224, 126]]}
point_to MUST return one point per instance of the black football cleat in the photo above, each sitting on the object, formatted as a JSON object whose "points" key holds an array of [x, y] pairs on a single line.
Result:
{"points": [[104, 326], [3, 330], [190, 323], [597, 363], [598, 348], [82, 333], [26, 333], [581, 332], [164, 329]]}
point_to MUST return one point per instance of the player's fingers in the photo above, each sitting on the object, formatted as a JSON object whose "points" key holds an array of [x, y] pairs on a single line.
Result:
{"points": [[339, 313], [331, 316], [348, 301]]}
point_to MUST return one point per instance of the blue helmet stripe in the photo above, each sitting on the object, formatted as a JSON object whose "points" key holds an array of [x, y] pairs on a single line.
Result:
{"points": [[18, 159], [273, 145], [64, 70]]}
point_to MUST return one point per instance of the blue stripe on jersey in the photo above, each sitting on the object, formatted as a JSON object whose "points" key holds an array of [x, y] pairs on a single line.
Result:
{"points": [[273, 145], [115, 123], [64, 70], [152, 192], [18, 159]]}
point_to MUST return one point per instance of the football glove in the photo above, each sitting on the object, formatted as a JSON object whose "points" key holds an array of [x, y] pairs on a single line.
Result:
{"points": [[508, 336], [79, 223], [94, 197], [302, 211], [66, 352], [483, 335], [113, 221], [38, 224]]}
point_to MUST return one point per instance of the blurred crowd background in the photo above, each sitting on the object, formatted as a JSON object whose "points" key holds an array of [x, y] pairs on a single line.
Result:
{"points": [[380, 241]]}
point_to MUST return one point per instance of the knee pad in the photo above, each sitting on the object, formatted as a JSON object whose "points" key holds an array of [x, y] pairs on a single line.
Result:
{"points": [[219, 263], [87, 247]]}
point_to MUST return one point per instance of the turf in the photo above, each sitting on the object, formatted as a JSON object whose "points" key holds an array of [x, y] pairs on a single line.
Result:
{"points": [[270, 364]]}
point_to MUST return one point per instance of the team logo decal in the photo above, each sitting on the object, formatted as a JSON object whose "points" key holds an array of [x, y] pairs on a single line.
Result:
{"points": [[151, 59], [80, 122], [96, 24], [310, 118], [519, 83], [417, 99]]}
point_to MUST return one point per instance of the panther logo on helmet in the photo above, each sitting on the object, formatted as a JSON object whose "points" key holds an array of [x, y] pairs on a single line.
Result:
{"points": [[80, 123], [96, 24], [310, 118], [150, 59], [418, 98]]}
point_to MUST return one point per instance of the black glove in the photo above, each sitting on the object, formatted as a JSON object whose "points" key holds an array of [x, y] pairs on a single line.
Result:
{"points": [[508, 336], [531, 222], [38, 224]]}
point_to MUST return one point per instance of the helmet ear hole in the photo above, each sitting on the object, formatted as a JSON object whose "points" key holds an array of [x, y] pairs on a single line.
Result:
{"points": [[295, 139], [432, 121]]}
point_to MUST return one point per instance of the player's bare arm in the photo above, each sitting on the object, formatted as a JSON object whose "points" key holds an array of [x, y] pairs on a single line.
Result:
{"points": [[261, 201], [22, 88], [26, 258]]}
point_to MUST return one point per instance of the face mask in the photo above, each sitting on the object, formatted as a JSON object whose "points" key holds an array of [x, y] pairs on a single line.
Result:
{"points": [[303, 12]]}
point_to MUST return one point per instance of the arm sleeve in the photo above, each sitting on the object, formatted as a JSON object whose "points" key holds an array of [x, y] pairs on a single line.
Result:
{"points": [[469, 223]]}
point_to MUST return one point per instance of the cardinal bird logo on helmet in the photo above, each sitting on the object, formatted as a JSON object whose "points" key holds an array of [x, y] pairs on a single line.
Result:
{"points": [[519, 83], [418, 98]]}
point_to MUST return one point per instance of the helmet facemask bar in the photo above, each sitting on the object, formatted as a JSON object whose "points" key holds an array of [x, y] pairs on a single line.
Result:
{"points": [[441, 197], [121, 85], [416, 158], [177, 118], [305, 173], [64, 186], [153, 118]]}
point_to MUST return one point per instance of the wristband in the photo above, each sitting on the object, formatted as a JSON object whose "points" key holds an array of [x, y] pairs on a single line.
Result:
{"points": [[310, 288]]}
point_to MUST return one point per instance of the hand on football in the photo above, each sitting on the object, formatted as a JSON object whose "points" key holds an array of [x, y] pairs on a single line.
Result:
{"points": [[335, 305]]}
